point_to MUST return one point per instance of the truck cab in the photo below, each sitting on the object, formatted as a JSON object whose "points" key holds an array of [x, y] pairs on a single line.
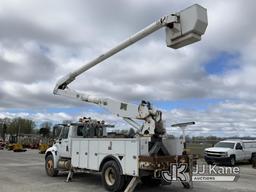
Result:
{"points": [[230, 152]]}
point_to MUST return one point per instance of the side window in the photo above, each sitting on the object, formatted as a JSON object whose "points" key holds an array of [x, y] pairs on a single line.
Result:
{"points": [[80, 131], [64, 134], [239, 146]]}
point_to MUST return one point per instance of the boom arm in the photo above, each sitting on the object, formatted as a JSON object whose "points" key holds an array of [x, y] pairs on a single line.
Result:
{"points": [[182, 28], [62, 84]]}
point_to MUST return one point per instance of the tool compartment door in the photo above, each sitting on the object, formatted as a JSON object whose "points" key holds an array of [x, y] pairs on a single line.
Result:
{"points": [[93, 155], [75, 153], [83, 160], [131, 158]]}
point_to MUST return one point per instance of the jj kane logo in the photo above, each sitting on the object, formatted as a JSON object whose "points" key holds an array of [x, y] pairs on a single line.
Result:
{"points": [[201, 173]]}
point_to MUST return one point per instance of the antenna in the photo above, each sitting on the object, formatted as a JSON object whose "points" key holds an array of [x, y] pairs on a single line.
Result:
{"points": [[183, 126]]}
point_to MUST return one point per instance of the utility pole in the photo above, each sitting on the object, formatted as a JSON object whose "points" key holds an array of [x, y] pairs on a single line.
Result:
{"points": [[18, 138]]}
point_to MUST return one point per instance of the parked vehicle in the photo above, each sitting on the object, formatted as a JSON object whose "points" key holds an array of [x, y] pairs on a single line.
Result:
{"points": [[86, 146], [230, 152]]}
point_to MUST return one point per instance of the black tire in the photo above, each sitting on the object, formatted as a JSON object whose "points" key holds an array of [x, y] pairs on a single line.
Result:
{"points": [[254, 162], [253, 158], [209, 162], [111, 177], [150, 181], [186, 185], [232, 161], [49, 166]]}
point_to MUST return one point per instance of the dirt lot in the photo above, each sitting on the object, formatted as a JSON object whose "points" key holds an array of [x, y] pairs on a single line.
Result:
{"points": [[24, 172]]}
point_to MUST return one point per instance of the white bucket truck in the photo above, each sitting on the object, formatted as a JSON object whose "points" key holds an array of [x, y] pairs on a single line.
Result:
{"points": [[142, 157]]}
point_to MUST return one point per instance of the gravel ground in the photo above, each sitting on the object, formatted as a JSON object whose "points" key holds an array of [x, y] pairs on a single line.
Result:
{"points": [[24, 172]]}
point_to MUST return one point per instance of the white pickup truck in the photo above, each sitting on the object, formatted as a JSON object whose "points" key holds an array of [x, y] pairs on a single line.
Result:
{"points": [[230, 152]]}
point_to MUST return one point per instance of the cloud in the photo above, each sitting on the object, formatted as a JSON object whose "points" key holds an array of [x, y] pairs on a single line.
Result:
{"points": [[224, 119], [25, 65], [228, 118], [40, 41]]}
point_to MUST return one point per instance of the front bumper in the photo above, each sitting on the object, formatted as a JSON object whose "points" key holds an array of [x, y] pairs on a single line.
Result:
{"points": [[217, 159]]}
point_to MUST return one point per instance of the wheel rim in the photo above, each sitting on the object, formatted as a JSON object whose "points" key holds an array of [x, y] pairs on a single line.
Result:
{"points": [[110, 176], [50, 166], [232, 161]]}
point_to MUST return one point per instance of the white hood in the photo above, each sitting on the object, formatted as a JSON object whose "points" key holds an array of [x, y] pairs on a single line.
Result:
{"points": [[217, 149]]}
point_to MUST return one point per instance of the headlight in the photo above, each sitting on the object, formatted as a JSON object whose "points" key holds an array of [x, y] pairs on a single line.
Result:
{"points": [[225, 154]]}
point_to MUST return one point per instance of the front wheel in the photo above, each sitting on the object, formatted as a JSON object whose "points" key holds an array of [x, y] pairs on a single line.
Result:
{"points": [[209, 162], [49, 166], [111, 177], [232, 161]]}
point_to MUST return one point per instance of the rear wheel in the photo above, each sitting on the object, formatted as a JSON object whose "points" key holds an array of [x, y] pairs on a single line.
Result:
{"points": [[150, 181], [253, 158], [49, 166], [111, 177], [186, 185]]}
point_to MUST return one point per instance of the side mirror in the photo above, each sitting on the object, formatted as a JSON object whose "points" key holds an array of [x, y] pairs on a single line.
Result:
{"points": [[239, 148], [191, 25]]}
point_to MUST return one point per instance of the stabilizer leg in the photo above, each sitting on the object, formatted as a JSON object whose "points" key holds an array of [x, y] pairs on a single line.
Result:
{"points": [[70, 176], [133, 183]]}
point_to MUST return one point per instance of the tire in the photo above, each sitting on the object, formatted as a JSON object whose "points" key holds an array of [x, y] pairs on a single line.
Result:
{"points": [[149, 181], [49, 166], [253, 158], [186, 185], [209, 162], [254, 162], [232, 161], [111, 177]]}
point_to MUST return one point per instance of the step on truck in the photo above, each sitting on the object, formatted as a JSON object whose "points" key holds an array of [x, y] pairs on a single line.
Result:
{"points": [[125, 160]]}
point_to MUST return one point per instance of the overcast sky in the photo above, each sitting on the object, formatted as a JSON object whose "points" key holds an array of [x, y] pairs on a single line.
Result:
{"points": [[211, 82]]}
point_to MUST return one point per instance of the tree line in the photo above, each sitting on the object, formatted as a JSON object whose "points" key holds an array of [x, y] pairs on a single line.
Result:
{"points": [[16, 126]]}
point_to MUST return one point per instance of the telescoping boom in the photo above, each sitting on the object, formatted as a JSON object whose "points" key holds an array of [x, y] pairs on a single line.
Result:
{"points": [[182, 28]]}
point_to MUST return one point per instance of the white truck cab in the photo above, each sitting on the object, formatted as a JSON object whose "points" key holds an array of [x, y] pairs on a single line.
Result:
{"points": [[230, 152]]}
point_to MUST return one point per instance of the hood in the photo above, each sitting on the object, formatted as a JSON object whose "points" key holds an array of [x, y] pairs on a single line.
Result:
{"points": [[217, 149]]}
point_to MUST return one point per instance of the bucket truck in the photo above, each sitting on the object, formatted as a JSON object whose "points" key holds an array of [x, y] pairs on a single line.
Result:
{"points": [[123, 162]]}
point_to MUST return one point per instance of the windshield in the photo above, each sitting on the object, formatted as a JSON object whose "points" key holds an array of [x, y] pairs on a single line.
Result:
{"points": [[59, 131], [225, 145]]}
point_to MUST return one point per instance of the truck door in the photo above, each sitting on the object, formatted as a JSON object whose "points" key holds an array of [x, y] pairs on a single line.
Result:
{"points": [[240, 156], [63, 142]]}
